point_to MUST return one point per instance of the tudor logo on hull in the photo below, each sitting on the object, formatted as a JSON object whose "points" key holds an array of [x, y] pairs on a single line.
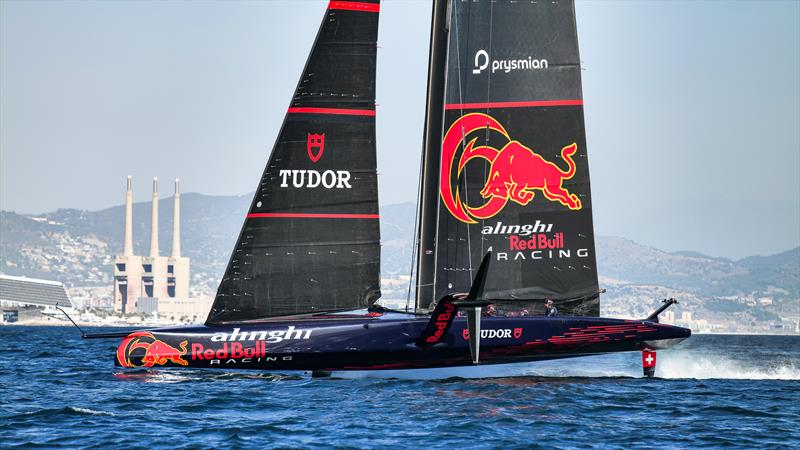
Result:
{"points": [[502, 333], [516, 172]]}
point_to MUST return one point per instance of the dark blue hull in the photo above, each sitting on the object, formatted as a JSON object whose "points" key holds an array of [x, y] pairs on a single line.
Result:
{"points": [[387, 342]]}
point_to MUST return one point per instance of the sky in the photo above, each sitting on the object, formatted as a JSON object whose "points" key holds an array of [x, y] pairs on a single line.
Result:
{"points": [[692, 109]]}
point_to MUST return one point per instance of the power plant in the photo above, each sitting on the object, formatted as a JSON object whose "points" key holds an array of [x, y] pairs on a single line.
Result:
{"points": [[154, 283]]}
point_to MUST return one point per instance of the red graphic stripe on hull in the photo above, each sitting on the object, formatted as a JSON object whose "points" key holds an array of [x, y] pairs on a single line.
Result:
{"points": [[338, 111], [355, 6], [540, 103], [311, 216]]}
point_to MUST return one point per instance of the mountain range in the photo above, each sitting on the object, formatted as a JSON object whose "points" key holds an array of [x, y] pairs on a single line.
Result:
{"points": [[77, 248]]}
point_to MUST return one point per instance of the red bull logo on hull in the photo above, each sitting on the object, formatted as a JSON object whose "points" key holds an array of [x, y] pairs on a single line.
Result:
{"points": [[142, 349], [517, 173]]}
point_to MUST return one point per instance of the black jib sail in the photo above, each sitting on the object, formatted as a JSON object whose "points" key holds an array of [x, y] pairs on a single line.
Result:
{"points": [[513, 175], [311, 240]]}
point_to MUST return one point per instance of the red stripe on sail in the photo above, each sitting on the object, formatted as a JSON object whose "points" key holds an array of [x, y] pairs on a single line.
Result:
{"points": [[311, 216], [346, 112], [355, 6], [540, 103]]}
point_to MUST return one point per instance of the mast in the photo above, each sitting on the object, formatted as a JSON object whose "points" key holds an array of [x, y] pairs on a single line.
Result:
{"points": [[429, 183]]}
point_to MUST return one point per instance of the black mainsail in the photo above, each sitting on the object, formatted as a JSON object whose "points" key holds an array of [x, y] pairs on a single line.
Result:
{"points": [[311, 239], [513, 175]]}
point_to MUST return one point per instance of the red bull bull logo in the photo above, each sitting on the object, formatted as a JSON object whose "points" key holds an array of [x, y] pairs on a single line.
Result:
{"points": [[516, 173], [142, 349]]}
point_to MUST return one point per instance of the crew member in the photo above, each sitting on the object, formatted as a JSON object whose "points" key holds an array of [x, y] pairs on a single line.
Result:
{"points": [[549, 308]]}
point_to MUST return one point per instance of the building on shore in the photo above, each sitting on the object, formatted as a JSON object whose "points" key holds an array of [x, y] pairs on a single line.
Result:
{"points": [[153, 284], [23, 299]]}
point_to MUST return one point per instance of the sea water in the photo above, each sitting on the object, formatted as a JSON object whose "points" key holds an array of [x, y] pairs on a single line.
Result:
{"points": [[57, 390]]}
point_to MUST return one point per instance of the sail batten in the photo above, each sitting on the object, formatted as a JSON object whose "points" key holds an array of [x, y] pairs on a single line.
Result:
{"points": [[312, 216], [310, 240], [335, 111], [517, 104]]}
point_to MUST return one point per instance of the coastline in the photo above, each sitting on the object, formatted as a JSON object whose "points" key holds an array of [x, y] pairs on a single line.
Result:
{"points": [[82, 323]]}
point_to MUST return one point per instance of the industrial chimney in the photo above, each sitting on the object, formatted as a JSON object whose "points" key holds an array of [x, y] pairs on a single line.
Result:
{"points": [[128, 245], [154, 222], [176, 221]]}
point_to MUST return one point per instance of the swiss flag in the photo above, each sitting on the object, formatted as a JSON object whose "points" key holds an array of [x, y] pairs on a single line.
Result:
{"points": [[648, 359]]}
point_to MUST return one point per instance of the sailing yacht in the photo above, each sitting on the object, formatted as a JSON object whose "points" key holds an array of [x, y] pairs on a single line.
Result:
{"points": [[504, 223]]}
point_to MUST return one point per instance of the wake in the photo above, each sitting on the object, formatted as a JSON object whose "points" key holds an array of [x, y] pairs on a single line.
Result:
{"points": [[680, 365], [672, 365]]}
